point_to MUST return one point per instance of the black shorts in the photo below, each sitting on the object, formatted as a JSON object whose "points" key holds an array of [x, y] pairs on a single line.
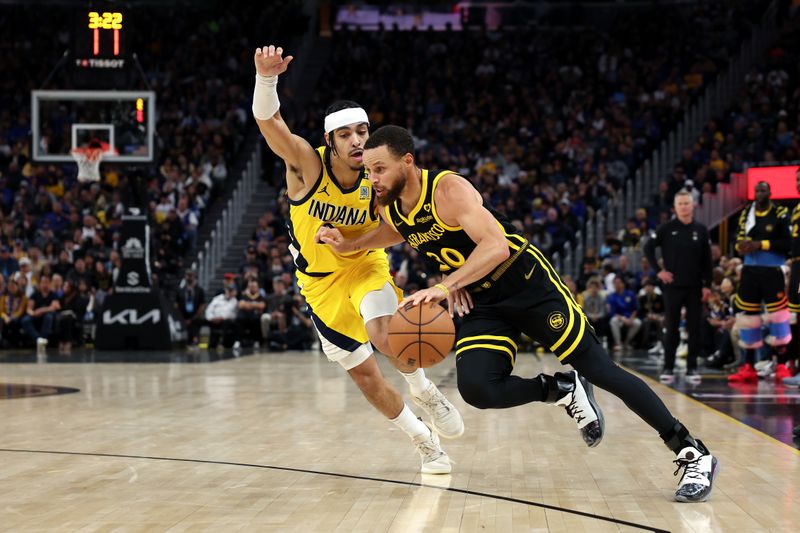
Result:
{"points": [[530, 298], [761, 284], [794, 285]]}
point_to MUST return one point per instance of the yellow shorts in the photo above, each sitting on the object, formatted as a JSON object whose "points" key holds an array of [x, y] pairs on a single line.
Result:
{"points": [[335, 302]]}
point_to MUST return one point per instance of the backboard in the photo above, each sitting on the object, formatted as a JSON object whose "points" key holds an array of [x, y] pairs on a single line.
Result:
{"points": [[63, 120]]}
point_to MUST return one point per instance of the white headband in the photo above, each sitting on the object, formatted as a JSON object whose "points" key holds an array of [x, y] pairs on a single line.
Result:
{"points": [[345, 117]]}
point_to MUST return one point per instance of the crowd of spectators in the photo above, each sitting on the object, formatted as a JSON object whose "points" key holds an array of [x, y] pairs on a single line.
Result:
{"points": [[56, 229], [546, 123], [761, 127]]}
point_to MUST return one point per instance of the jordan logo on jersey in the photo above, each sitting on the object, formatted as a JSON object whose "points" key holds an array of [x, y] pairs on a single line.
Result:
{"points": [[325, 189]]}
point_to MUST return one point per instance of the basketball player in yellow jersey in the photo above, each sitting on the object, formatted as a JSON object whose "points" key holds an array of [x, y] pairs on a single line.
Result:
{"points": [[351, 296], [514, 289]]}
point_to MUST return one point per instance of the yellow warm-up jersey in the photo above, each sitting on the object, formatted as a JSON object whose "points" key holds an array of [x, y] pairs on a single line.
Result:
{"points": [[351, 211]]}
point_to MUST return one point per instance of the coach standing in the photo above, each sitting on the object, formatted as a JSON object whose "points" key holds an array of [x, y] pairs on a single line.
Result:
{"points": [[686, 278]]}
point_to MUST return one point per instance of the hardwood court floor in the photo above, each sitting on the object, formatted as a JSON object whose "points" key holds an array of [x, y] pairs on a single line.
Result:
{"points": [[285, 442]]}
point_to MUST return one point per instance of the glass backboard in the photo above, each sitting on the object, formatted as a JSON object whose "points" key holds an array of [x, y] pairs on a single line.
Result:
{"points": [[63, 120]]}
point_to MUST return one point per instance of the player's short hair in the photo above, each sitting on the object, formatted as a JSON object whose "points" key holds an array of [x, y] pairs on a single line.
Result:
{"points": [[683, 192], [398, 140]]}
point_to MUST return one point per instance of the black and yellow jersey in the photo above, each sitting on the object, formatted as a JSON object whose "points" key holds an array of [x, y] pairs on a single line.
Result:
{"points": [[795, 221], [350, 210], [447, 246], [771, 227]]}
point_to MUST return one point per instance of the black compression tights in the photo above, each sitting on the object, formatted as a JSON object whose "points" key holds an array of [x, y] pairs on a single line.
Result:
{"points": [[596, 366], [484, 381]]}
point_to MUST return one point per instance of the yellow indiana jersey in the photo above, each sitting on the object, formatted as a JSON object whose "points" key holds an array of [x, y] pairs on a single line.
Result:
{"points": [[351, 211]]}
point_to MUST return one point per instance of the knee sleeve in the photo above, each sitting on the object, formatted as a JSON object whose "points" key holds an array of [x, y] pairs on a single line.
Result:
{"points": [[749, 331], [780, 332]]}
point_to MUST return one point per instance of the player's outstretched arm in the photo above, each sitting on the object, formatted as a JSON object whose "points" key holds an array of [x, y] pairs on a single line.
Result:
{"points": [[303, 165]]}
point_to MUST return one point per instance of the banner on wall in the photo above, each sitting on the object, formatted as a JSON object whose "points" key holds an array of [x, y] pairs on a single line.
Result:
{"points": [[134, 272]]}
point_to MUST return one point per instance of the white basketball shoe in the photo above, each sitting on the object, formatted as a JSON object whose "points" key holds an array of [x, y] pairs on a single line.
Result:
{"points": [[446, 419], [434, 459]]}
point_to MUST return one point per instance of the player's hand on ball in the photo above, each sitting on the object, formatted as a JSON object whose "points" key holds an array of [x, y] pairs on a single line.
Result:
{"points": [[459, 301], [270, 61], [429, 295]]}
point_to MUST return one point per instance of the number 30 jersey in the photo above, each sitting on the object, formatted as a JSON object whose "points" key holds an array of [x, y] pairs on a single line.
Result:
{"points": [[446, 246]]}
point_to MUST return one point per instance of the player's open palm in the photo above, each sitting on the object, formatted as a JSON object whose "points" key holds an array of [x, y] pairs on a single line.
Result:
{"points": [[270, 61]]}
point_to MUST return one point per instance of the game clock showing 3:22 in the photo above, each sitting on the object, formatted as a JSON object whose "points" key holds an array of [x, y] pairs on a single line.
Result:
{"points": [[100, 39]]}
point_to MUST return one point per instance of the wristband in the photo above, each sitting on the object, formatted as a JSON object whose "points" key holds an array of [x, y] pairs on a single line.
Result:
{"points": [[443, 288], [265, 97]]}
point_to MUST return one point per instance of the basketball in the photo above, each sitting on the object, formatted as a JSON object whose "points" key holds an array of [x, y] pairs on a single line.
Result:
{"points": [[422, 335]]}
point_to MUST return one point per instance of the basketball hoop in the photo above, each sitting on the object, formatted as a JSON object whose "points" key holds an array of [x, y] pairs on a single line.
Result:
{"points": [[88, 160]]}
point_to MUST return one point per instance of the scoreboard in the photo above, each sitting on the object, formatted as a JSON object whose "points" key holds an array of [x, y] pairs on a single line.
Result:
{"points": [[100, 39]]}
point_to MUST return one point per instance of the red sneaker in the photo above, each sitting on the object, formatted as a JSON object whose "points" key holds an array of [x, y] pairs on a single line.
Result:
{"points": [[745, 374], [782, 371]]}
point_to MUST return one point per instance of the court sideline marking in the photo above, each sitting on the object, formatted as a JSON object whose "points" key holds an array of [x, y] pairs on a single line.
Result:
{"points": [[727, 417], [349, 476]]}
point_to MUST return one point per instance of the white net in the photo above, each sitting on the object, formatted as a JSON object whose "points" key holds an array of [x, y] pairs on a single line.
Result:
{"points": [[88, 160]]}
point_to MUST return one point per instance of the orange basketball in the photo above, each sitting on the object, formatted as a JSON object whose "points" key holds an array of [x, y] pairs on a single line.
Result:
{"points": [[421, 335]]}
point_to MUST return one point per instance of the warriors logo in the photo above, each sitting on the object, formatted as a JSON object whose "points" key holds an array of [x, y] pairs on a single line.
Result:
{"points": [[556, 320]]}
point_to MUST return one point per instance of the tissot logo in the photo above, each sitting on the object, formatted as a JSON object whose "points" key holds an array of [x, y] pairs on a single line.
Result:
{"points": [[99, 63], [131, 317]]}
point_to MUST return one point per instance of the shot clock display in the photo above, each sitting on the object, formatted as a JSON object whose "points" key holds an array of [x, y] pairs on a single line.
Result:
{"points": [[100, 39]]}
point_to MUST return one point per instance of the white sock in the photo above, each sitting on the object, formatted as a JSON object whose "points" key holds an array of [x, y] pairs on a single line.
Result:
{"points": [[409, 423], [417, 380]]}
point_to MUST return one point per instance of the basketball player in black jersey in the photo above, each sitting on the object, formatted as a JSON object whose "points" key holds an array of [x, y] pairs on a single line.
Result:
{"points": [[513, 289]]}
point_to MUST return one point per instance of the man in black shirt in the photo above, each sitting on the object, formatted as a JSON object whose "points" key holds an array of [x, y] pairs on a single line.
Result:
{"points": [[248, 320], [42, 308], [686, 276], [192, 305]]}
